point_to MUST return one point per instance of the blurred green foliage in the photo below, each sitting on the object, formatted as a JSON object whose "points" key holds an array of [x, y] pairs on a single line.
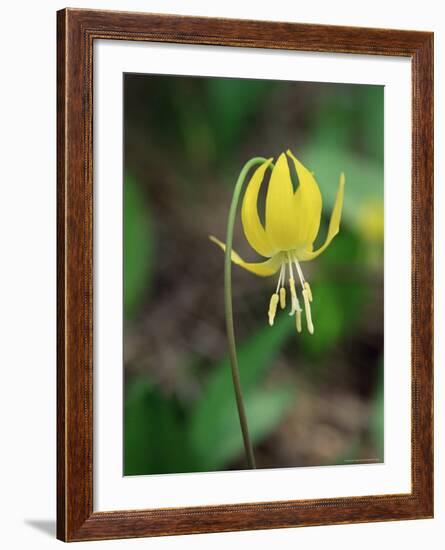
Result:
{"points": [[153, 434], [364, 178], [159, 438], [234, 104], [214, 426], [185, 141], [138, 246], [336, 308]]}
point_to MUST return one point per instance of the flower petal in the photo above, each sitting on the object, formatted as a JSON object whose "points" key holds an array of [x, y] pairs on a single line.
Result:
{"points": [[334, 225], [308, 203], [253, 228], [263, 269], [281, 222]]}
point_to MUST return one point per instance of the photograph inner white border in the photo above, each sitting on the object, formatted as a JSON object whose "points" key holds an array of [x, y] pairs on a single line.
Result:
{"points": [[113, 491]]}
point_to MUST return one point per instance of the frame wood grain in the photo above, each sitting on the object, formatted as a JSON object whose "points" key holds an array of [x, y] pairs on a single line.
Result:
{"points": [[76, 32]]}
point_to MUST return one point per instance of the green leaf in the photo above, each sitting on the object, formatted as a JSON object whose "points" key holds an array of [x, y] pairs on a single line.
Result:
{"points": [[154, 439], [264, 410], [138, 246], [214, 425]]}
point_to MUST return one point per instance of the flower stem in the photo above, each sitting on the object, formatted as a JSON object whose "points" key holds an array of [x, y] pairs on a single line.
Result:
{"points": [[229, 311]]}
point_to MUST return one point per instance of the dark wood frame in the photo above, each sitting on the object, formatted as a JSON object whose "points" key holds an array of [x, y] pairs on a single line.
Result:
{"points": [[76, 32]]}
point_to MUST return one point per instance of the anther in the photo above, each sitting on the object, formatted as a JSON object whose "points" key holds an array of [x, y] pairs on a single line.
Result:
{"points": [[307, 308], [282, 297], [293, 294], [309, 291], [273, 307], [298, 319]]}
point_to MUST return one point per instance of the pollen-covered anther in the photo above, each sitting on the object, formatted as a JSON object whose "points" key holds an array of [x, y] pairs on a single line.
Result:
{"points": [[282, 297], [307, 308], [273, 307], [298, 319], [293, 294]]}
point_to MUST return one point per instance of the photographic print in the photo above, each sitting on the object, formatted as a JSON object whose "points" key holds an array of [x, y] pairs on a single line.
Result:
{"points": [[244, 275], [253, 274]]}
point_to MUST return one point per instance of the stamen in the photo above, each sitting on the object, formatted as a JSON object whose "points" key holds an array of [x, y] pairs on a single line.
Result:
{"points": [[293, 292], [307, 308], [273, 307], [307, 295], [309, 291], [300, 272], [293, 295], [282, 297], [296, 308], [281, 277]]}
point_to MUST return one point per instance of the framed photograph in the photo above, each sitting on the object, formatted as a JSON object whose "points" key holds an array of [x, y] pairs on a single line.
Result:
{"points": [[245, 229]]}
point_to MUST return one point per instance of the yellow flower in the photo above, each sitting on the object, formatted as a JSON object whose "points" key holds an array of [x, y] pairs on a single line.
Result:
{"points": [[291, 226]]}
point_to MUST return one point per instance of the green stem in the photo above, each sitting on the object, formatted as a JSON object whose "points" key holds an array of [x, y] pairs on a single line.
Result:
{"points": [[229, 311]]}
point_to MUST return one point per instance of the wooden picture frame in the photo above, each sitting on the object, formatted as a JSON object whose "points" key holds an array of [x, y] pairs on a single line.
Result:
{"points": [[76, 32]]}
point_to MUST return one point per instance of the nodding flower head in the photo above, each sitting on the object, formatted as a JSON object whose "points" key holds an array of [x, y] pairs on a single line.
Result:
{"points": [[292, 222]]}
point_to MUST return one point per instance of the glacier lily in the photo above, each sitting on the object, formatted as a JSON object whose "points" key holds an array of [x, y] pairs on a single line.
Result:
{"points": [[292, 222]]}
